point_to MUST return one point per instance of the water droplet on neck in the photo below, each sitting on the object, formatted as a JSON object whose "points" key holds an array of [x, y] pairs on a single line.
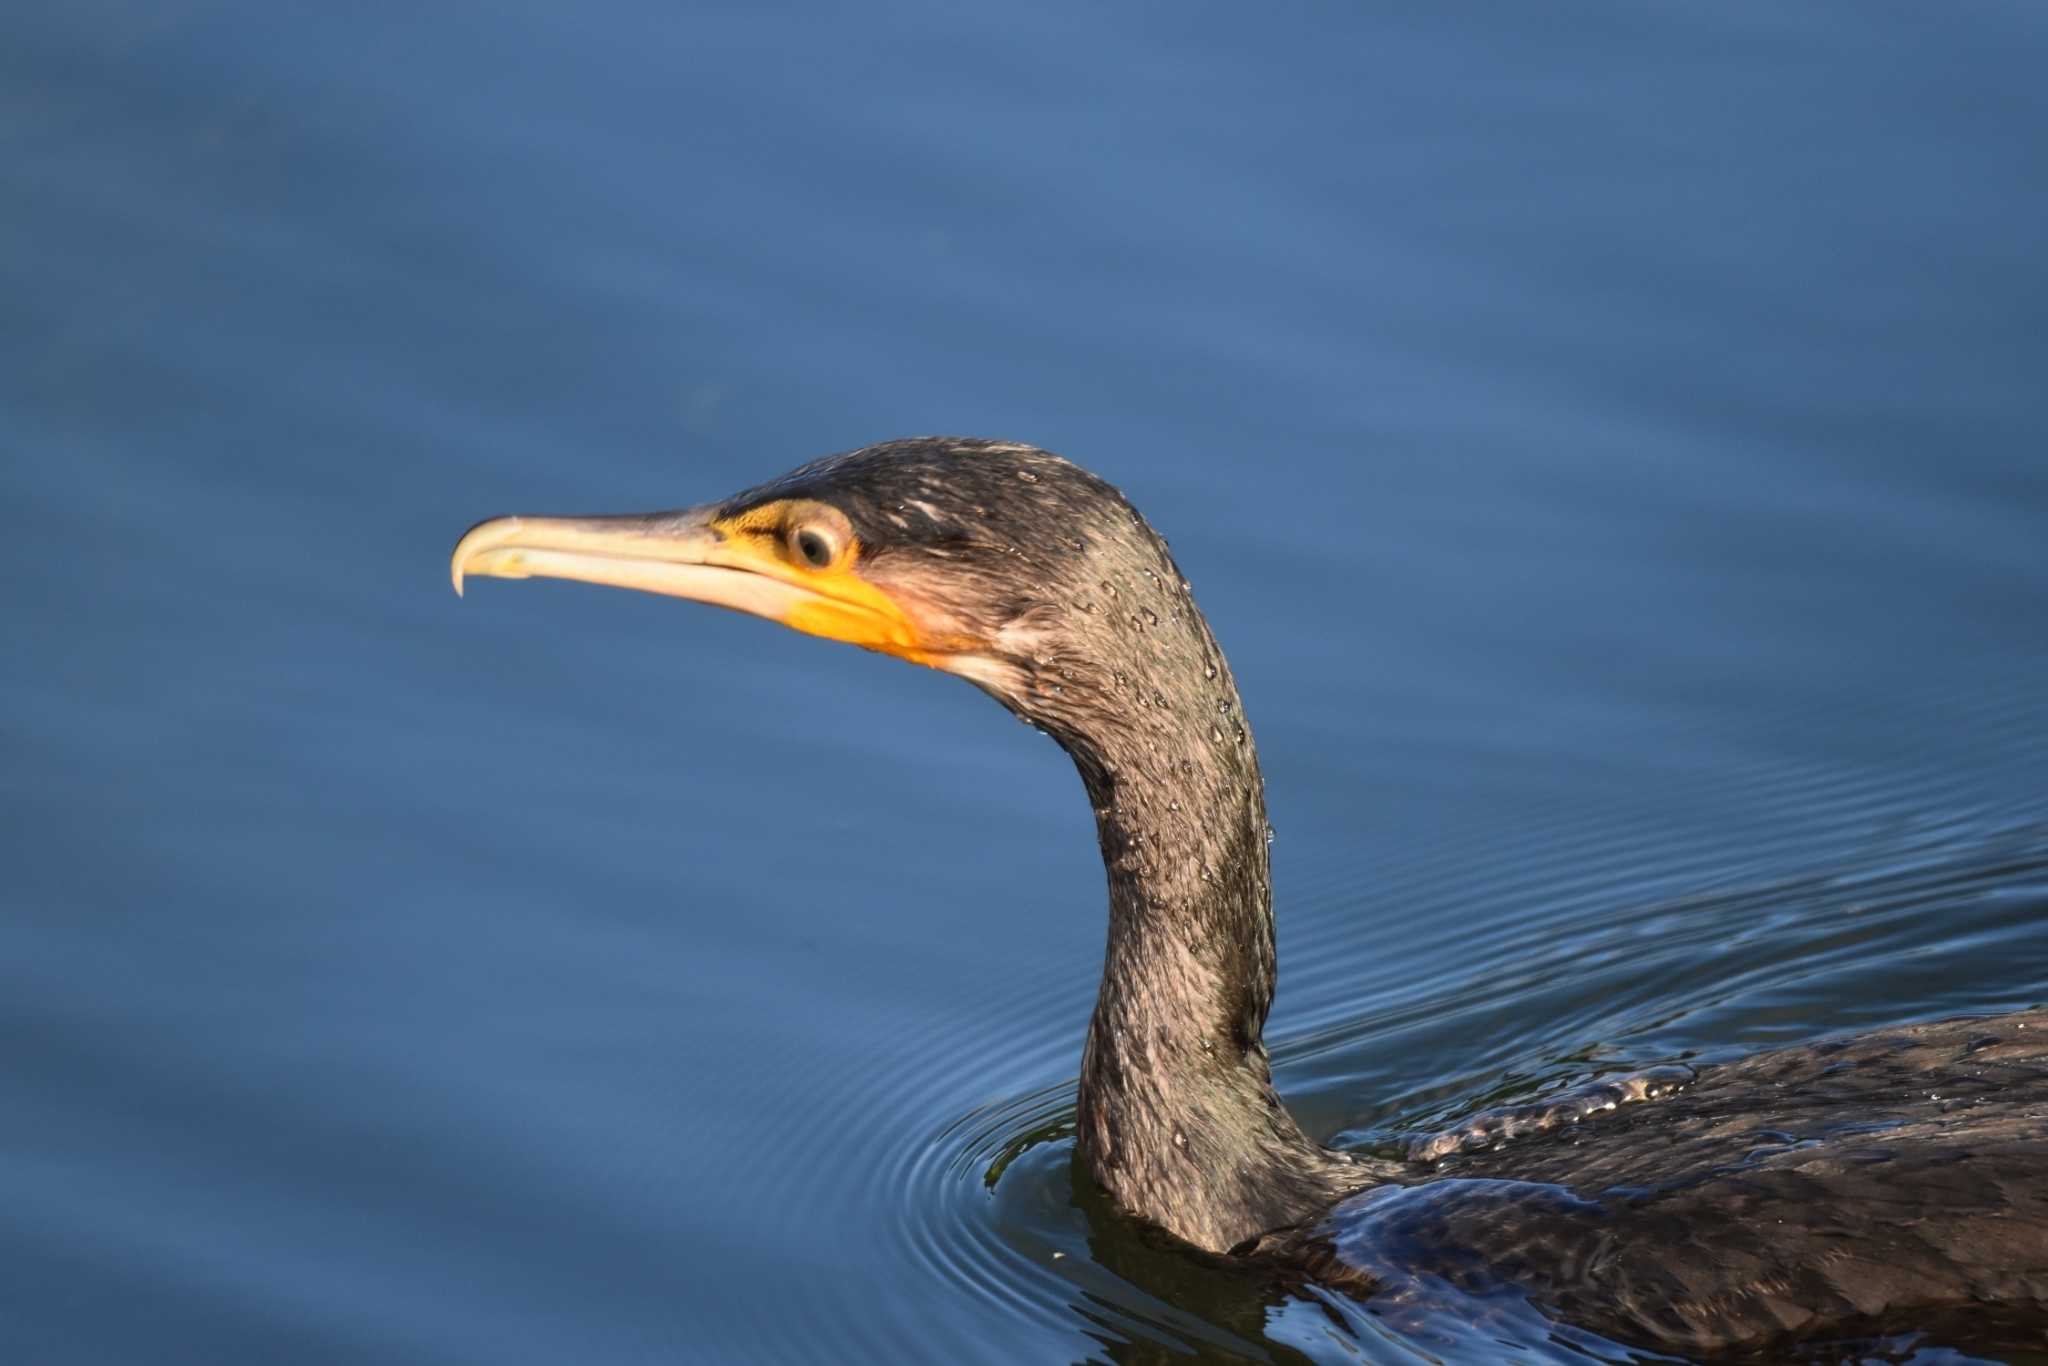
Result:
{"points": [[1271, 833], [1078, 543], [1216, 734], [1159, 700], [1151, 617]]}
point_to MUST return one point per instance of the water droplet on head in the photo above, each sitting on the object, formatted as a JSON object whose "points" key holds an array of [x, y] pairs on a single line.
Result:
{"points": [[1270, 834], [1151, 616], [1027, 476], [1159, 700], [1078, 543], [1216, 733], [1180, 1140]]}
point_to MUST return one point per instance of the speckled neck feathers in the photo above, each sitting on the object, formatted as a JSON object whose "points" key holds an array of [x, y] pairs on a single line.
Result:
{"points": [[1085, 628], [1178, 1116], [1093, 636]]}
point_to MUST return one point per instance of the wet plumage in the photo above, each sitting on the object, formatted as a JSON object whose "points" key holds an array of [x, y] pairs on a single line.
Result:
{"points": [[1852, 1186]]}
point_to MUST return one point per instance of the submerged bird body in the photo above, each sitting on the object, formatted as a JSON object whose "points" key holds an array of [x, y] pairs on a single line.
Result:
{"points": [[1665, 1222], [1883, 1183]]}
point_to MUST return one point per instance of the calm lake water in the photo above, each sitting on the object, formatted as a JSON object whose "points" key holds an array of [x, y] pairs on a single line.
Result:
{"points": [[1612, 442]]}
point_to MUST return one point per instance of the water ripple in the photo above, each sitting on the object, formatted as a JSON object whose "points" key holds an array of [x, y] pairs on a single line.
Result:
{"points": [[1581, 984]]}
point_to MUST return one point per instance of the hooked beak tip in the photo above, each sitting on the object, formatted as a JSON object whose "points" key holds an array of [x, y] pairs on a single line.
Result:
{"points": [[477, 540]]}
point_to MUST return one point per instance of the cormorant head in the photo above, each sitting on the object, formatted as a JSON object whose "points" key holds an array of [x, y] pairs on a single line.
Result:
{"points": [[983, 558]]}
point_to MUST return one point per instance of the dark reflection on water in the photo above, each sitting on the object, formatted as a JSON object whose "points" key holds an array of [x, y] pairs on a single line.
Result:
{"points": [[1609, 441]]}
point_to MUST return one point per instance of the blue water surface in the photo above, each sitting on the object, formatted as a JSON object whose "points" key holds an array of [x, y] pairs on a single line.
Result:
{"points": [[1611, 441]]}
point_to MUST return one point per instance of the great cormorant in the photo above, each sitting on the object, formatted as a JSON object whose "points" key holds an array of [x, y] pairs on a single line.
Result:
{"points": [[1889, 1181]]}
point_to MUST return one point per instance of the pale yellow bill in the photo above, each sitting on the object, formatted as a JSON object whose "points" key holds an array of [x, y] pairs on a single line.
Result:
{"points": [[739, 565]]}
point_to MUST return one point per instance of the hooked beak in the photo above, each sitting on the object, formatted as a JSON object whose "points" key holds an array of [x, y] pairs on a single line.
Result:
{"points": [[690, 554]]}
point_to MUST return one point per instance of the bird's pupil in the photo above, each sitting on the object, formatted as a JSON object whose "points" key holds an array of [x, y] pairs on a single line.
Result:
{"points": [[813, 548]]}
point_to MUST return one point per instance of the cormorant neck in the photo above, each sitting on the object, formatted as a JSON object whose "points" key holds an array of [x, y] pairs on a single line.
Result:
{"points": [[1178, 1118]]}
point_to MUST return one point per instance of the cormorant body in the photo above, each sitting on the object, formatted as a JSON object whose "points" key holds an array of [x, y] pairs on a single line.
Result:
{"points": [[1884, 1182]]}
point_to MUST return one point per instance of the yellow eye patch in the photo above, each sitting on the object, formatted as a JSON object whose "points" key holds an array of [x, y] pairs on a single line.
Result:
{"points": [[841, 605]]}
